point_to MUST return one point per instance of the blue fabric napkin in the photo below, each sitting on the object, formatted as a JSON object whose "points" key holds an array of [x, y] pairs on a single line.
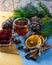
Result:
{"points": [[44, 59]]}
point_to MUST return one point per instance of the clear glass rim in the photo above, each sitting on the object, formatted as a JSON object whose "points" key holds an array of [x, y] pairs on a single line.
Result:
{"points": [[21, 25]]}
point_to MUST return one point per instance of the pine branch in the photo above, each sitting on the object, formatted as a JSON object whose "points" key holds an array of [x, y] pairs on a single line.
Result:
{"points": [[44, 8]]}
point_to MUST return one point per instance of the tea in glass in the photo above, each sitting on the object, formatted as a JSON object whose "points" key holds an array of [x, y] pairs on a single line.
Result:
{"points": [[21, 26]]}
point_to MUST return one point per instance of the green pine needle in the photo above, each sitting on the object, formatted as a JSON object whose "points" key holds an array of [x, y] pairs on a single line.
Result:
{"points": [[47, 28], [44, 8], [31, 11]]}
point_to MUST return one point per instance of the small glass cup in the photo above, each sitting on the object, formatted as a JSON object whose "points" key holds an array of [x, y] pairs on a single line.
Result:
{"points": [[5, 37], [21, 26], [5, 42]]}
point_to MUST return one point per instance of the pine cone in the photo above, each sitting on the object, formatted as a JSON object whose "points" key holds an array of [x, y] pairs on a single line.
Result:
{"points": [[35, 24], [8, 23]]}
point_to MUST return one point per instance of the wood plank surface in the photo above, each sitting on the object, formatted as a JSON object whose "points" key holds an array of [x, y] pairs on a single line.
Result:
{"points": [[9, 49], [9, 59]]}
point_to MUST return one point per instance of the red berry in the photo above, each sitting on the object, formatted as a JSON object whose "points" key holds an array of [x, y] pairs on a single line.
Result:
{"points": [[4, 34]]}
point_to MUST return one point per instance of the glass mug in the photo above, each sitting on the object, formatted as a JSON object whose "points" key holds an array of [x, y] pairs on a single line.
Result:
{"points": [[5, 37], [21, 26]]}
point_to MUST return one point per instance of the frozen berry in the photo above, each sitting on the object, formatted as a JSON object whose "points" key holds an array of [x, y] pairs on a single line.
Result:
{"points": [[4, 34]]}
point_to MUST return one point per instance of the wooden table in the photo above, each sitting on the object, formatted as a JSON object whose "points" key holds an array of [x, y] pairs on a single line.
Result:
{"points": [[8, 55]]}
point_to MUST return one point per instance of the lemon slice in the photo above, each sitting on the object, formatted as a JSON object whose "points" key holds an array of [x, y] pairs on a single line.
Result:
{"points": [[32, 41]]}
